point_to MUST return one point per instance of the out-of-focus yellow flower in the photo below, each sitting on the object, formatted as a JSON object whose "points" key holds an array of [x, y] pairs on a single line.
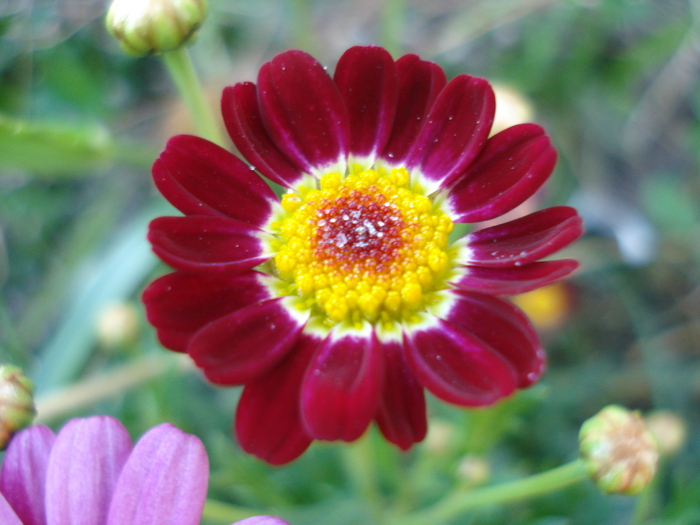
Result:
{"points": [[547, 307], [620, 453]]}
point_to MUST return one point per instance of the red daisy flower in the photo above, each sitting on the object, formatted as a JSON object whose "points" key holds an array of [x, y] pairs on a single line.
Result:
{"points": [[338, 304]]}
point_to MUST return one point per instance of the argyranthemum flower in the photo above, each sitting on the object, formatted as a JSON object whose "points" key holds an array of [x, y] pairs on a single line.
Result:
{"points": [[338, 304], [89, 474]]}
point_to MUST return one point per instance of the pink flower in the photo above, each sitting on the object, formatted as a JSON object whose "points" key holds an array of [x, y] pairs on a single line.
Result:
{"points": [[90, 474], [338, 304]]}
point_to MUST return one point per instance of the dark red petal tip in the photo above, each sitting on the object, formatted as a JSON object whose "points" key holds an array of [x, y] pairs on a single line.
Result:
{"points": [[368, 83], [268, 420], [512, 166], [234, 349], [340, 393], [504, 328], [420, 83], [455, 129], [514, 279], [200, 178], [241, 112], [401, 416], [457, 367], [524, 240], [179, 304], [303, 112], [206, 244]]}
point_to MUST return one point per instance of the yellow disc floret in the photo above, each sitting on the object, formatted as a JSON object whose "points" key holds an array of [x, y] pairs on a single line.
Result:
{"points": [[364, 247]]}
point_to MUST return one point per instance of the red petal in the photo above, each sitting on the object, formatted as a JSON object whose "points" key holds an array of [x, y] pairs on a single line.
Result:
{"points": [[420, 82], [368, 83], [303, 112], [401, 415], [208, 244], [268, 421], [504, 328], [524, 240], [455, 130], [241, 112], [340, 393], [457, 367], [516, 279], [513, 165], [234, 349], [200, 178], [180, 304]]}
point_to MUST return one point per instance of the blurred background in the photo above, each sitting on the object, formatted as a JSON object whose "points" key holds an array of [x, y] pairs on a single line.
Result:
{"points": [[616, 83]]}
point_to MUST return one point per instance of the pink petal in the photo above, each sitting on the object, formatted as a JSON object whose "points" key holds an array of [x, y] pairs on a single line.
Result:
{"points": [[83, 469], [8, 516], [455, 130], [241, 112], [201, 178], [420, 82], [513, 165], [234, 349], [209, 244], [504, 328], [401, 415], [516, 279], [179, 304], [303, 112], [368, 83], [268, 420], [261, 520], [524, 240], [163, 482], [23, 475], [340, 393], [457, 367]]}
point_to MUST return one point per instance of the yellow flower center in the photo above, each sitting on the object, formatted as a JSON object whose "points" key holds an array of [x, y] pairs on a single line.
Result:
{"points": [[365, 247]]}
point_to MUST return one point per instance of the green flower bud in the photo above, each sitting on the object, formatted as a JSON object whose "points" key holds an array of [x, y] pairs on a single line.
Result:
{"points": [[621, 455], [144, 27], [16, 402]]}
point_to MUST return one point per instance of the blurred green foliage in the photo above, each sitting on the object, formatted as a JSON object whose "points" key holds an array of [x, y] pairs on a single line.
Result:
{"points": [[615, 82]]}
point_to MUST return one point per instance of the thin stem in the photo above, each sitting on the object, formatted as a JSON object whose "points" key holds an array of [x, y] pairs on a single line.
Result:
{"points": [[185, 77], [360, 464], [106, 385], [458, 502], [392, 20]]}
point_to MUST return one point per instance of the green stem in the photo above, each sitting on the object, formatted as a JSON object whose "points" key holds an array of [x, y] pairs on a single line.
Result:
{"points": [[458, 502], [225, 512], [184, 75], [360, 464], [392, 19]]}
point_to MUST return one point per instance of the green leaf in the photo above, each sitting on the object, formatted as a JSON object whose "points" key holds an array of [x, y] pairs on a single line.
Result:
{"points": [[53, 150]]}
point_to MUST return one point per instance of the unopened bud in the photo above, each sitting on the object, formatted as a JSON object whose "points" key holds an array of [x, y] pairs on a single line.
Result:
{"points": [[144, 27], [473, 470], [669, 429], [117, 325], [16, 402], [620, 453], [440, 437]]}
